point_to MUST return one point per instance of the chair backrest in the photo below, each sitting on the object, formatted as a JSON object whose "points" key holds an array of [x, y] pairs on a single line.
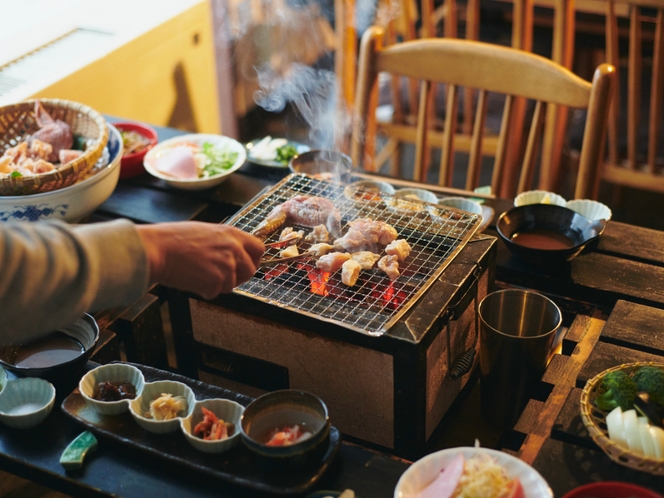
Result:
{"points": [[486, 68], [640, 163]]}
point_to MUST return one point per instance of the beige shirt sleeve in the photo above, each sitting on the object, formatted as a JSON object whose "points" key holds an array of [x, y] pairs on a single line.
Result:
{"points": [[52, 272]]}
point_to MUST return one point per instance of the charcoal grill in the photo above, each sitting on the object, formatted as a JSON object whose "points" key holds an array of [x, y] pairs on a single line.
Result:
{"points": [[383, 366], [435, 233]]}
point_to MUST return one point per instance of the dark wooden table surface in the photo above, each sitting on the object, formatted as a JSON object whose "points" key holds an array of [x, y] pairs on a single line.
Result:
{"points": [[612, 298]]}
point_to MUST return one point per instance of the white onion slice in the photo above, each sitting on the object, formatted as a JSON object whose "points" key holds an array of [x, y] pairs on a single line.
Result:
{"points": [[614, 422], [646, 439], [632, 431], [657, 434]]}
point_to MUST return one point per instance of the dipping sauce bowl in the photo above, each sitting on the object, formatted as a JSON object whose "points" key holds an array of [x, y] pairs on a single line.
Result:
{"points": [[25, 403]]}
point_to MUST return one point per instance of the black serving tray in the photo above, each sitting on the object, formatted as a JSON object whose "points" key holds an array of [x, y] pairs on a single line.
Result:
{"points": [[237, 465]]}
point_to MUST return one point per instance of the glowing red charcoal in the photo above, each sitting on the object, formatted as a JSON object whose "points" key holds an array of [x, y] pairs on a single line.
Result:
{"points": [[275, 271]]}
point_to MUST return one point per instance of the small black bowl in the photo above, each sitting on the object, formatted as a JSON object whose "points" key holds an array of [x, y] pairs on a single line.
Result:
{"points": [[278, 410], [57, 356], [546, 233]]}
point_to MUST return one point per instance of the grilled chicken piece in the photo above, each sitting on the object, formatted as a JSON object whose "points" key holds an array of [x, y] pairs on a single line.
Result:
{"points": [[331, 262], [288, 233], [350, 271], [52, 131], [390, 265], [365, 235], [366, 259], [318, 250], [289, 252], [318, 234], [301, 210], [399, 248]]}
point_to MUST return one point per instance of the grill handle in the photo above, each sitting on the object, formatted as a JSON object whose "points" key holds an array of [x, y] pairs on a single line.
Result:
{"points": [[462, 364]]}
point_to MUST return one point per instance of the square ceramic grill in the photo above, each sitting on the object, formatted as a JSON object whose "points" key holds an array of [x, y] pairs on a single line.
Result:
{"points": [[436, 235]]}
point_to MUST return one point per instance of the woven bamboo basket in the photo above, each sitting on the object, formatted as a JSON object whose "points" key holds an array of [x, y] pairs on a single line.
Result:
{"points": [[17, 122], [595, 421]]}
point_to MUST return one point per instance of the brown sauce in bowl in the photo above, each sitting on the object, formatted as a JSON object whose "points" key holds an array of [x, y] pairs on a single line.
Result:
{"points": [[543, 239], [53, 349]]}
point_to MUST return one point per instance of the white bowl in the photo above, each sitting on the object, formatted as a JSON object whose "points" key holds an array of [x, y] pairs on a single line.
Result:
{"points": [[537, 196], [152, 390], [354, 191], [114, 372], [26, 402], [425, 470], [592, 210], [226, 410], [71, 203], [462, 203], [198, 139], [417, 193]]}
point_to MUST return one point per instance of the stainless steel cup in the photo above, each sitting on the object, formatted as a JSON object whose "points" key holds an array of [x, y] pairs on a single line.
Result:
{"points": [[517, 329]]}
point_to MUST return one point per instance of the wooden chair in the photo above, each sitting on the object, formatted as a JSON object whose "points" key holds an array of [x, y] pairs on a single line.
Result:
{"points": [[636, 166], [486, 68], [452, 19]]}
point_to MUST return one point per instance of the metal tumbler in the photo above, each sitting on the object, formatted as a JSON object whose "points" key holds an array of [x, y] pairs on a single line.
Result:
{"points": [[517, 328]]}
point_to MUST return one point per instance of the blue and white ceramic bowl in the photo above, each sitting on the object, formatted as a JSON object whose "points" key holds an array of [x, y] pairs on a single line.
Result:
{"points": [[26, 402], [71, 203]]}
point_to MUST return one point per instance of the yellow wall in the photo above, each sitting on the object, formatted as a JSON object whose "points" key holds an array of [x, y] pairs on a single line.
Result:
{"points": [[164, 77]]}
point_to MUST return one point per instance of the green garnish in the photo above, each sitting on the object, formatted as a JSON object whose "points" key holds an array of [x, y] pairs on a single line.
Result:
{"points": [[285, 153], [218, 159], [79, 143], [15, 174]]}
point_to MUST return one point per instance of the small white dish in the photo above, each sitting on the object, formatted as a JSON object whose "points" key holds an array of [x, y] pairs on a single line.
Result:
{"points": [[197, 139], [539, 197], [462, 203], [592, 210], [3, 379], [26, 402], [113, 372], [418, 194], [224, 409], [139, 406], [368, 190], [425, 470]]}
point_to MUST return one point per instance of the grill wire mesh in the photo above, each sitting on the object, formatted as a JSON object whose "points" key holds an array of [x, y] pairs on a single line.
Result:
{"points": [[435, 233]]}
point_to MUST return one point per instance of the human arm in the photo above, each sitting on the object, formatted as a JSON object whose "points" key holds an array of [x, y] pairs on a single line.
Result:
{"points": [[50, 273]]}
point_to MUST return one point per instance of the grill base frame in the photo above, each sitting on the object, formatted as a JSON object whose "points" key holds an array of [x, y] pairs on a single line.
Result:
{"points": [[400, 376]]}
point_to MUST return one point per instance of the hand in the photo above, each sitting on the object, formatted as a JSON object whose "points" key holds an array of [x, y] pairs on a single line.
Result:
{"points": [[203, 258]]}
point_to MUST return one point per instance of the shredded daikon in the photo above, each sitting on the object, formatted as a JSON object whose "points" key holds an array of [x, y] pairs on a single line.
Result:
{"points": [[482, 478]]}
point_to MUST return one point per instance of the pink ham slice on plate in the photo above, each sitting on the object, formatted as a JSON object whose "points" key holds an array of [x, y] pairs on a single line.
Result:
{"points": [[444, 485], [179, 162]]}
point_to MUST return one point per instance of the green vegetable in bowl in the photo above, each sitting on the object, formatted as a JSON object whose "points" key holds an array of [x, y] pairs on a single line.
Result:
{"points": [[286, 153], [651, 381], [616, 389], [218, 159]]}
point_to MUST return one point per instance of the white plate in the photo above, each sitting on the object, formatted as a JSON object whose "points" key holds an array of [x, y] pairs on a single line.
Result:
{"points": [[425, 470], [300, 148], [199, 139]]}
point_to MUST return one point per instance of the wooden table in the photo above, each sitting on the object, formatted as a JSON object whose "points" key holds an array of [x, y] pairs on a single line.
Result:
{"points": [[612, 299]]}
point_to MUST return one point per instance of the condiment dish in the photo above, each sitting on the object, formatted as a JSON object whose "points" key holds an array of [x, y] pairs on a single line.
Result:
{"points": [[114, 373], [3, 379], [323, 165], [546, 233], [592, 210], [26, 402], [539, 197], [197, 140], [418, 194], [140, 406], [461, 203], [370, 191], [132, 162], [224, 409], [60, 354], [268, 415]]}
